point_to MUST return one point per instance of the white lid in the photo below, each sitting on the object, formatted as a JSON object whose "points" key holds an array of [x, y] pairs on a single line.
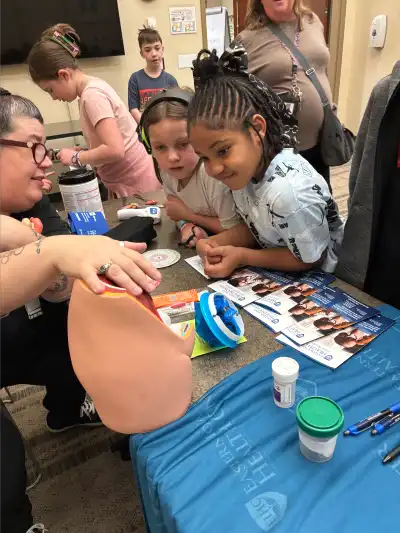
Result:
{"points": [[285, 369]]}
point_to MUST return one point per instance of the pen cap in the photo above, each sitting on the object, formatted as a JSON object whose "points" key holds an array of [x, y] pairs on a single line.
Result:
{"points": [[319, 417], [285, 369]]}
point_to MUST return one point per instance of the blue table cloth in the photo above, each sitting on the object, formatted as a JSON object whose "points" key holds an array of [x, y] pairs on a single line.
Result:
{"points": [[232, 464]]}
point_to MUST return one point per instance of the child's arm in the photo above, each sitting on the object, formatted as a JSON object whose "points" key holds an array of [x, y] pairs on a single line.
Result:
{"points": [[100, 114], [178, 210], [305, 232], [134, 99]]}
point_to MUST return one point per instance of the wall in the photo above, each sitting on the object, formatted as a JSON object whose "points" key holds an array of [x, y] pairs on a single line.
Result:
{"points": [[116, 70], [363, 67]]}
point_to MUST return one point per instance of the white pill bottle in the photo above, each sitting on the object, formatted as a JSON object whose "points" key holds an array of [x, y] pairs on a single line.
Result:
{"points": [[285, 372]]}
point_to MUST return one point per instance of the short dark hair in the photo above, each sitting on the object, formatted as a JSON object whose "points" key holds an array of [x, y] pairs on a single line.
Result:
{"points": [[148, 35], [14, 106]]}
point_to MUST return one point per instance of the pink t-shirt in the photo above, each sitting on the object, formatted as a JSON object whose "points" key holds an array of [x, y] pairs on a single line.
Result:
{"points": [[135, 172]]}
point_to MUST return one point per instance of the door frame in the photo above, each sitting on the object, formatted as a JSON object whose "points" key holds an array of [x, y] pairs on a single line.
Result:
{"points": [[337, 17]]}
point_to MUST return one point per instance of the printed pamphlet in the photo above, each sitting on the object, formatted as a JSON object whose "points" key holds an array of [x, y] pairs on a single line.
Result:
{"points": [[325, 312], [338, 347], [196, 262], [285, 298], [247, 285], [272, 320]]}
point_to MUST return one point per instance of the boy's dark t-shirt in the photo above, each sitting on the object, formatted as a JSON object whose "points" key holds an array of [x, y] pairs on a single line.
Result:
{"points": [[142, 87]]}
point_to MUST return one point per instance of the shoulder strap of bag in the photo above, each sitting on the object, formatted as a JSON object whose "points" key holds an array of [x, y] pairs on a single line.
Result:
{"points": [[310, 72]]}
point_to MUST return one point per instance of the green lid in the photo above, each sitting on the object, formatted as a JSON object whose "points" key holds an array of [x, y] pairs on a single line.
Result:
{"points": [[319, 417]]}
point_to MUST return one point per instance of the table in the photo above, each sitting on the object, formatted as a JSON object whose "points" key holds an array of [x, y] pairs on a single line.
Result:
{"points": [[208, 371], [232, 463], [61, 130]]}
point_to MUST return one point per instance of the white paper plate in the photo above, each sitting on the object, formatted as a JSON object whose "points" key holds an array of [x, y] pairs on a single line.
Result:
{"points": [[162, 258]]}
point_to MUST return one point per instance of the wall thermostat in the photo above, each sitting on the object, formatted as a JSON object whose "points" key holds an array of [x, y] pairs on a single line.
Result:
{"points": [[377, 34]]}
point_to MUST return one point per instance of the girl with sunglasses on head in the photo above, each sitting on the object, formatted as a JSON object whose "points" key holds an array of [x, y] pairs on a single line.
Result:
{"points": [[109, 129], [236, 126]]}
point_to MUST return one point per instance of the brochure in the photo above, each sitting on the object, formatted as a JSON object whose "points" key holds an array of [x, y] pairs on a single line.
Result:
{"points": [[196, 262], [338, 347], [200, 347], [247, 285], [325, 312], [272, 320], [283, 299]]}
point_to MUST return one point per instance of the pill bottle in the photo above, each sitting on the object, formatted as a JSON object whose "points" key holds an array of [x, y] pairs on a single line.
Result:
{"points": [[285, 372]]}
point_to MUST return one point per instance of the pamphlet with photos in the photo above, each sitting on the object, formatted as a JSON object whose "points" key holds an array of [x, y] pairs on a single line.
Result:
{"points": [[325, 312], [247, 285], [272, 320], [338, 347], [285, 298]]}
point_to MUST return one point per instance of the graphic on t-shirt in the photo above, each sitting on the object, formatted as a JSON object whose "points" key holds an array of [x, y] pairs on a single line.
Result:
{"points": [[145, 95]]}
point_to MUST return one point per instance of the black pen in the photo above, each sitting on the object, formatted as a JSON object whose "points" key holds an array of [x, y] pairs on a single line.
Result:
{"points": [[392, 455]]}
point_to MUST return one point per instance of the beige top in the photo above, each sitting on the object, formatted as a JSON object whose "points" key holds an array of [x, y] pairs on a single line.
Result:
{"points": [[271, 63], [205, 196], [135, 172]]}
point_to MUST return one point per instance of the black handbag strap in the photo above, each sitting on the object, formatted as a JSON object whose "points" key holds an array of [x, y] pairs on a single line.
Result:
{"points": [[310, 72]]}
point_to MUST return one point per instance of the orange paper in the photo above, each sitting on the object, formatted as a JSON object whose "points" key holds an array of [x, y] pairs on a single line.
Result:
{"points": [[165, 300]]}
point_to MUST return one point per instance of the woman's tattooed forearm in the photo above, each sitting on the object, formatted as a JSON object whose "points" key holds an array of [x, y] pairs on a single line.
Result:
{"points": [[38, 242], [6, 256], [60, 285]]}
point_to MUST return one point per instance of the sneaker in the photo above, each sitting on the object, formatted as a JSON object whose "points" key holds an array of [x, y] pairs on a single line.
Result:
{"points": [[88, 418], [37, 528]]}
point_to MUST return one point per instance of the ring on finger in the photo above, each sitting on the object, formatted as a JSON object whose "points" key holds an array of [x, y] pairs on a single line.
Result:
{"points": [[104, 268], [122, 244]]}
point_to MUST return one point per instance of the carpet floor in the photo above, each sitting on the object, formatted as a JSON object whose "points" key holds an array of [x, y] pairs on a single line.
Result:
{"points": [[85, 488]]}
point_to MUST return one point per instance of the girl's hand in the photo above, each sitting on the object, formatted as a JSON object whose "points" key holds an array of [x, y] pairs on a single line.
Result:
{"points": [[203, 247], [230, 258], [176, 209], [65, 156], [81, 257]]}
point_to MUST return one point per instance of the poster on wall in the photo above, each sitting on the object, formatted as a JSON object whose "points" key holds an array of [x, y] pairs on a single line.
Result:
{"points": [[182, 20]]}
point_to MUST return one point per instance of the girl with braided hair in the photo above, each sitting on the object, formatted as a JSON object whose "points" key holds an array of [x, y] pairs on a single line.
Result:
{"points": [[246, 138]]}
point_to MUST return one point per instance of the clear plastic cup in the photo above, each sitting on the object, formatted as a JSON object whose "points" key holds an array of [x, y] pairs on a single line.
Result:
{"points": [[320, 420]]}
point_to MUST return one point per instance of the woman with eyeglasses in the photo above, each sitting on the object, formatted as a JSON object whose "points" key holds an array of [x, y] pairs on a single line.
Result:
{"points": [[34, 343], [122, 162]]}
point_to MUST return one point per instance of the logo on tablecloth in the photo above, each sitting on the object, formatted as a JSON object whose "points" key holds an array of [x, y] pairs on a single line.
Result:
{"points": [[267, 509], [304, 388]]}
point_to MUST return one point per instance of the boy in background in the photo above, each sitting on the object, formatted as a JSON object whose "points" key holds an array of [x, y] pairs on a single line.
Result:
{"points": [[148, 81]]}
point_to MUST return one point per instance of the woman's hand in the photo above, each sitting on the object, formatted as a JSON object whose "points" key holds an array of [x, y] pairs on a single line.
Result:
{"points": [[176, 209], [81, 257], [65, 156], [46, 185]]}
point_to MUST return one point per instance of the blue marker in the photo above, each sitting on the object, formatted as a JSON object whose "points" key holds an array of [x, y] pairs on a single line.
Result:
{"points": [[358, 428], [382, 426]]}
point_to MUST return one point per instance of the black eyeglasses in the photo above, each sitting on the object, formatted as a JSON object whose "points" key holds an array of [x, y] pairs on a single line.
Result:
{"points": [[39, 150]]}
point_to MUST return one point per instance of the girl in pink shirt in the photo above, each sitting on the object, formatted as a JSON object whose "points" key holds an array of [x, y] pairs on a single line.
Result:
{"points": [[109, 129]]}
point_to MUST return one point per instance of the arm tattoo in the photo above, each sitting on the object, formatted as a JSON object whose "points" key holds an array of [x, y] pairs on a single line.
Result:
{"points": [[5, 256], [39, 241], [60, 285]]}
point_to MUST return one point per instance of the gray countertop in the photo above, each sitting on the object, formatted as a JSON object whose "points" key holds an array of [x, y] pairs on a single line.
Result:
{"points": [[209, 369]]}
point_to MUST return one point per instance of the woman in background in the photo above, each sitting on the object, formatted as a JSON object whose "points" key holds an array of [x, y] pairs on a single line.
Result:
{"points": [[109, 129], [271, 61]]}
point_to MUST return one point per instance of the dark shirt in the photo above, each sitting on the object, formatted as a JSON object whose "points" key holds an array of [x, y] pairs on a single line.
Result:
{"points": [[18, 332], [141, 87]]}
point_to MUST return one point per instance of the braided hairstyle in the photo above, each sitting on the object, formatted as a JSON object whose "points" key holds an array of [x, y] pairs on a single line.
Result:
{"points": [[227, 97]]}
